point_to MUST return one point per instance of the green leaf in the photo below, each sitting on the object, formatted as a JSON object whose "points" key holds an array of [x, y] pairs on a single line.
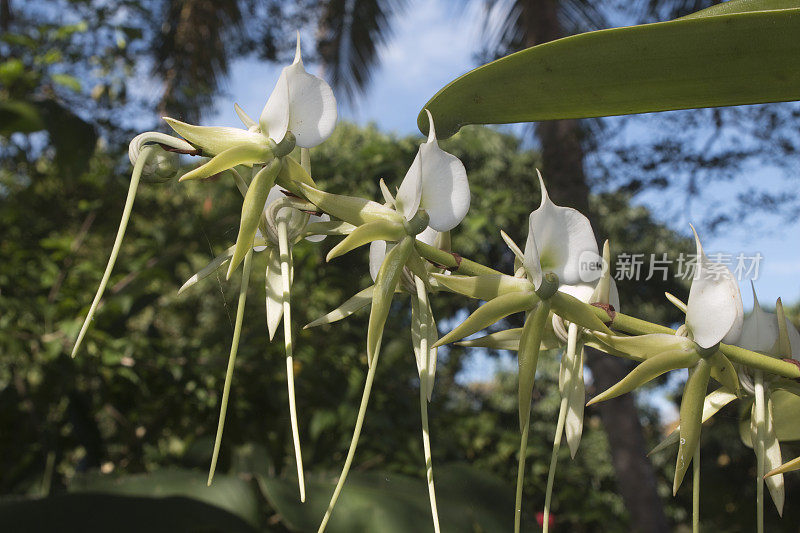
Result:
{"points": [[392, 503], [737, 54], [95, 513], [228, 492]]}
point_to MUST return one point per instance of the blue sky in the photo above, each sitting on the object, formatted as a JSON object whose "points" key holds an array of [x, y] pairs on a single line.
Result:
{"points": [[432, 45]]}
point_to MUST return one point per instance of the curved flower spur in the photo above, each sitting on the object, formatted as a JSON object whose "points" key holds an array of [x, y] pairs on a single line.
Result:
{"points": [[550, 275], [432, 199], [713, 315], [301, 111]]}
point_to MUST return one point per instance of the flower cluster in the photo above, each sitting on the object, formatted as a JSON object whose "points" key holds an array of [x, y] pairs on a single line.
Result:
{"points": [[566, 306]]}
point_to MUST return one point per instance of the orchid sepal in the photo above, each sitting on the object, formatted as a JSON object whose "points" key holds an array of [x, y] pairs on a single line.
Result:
{"points": [[213, 140], [385, 284], [485, 287], [252, 209], [355, 303], [356, 211], [649, 369], [226, 160], [528, 357], [490, 313], [691, 413], [383, 230]]}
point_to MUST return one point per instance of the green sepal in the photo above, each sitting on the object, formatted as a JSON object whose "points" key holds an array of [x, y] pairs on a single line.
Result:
{"points": [[356, 211], [385, 284], [711, 405], [423, 327], [273, 289], [723, 372], [252, 208], [528, 357], [292, 172], [238, 155], [355, 303], [484, 287], [571, 309], [648, 370], [331, 227], [215, 140], [380, 230], [508, 339], [691, 412], [490, 313], [214, 265], [641, 347]]}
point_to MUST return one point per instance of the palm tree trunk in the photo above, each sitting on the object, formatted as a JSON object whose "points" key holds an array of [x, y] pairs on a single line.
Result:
{"points": [[563, 157]]}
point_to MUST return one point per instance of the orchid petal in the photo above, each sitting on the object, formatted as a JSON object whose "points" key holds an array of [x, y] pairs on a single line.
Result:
{"points": [[274, 291], [312, 106], [760, 331], [214, 140], [274, 119], [563, 237], [409, 194], [377, 251], [445, 189], [531, 259], [714, 311], [318, 218]]}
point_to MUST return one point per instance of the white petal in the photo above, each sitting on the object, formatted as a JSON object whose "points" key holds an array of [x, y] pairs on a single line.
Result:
{"points": [[563, 238], [377, 251], [274, 120], [531, 257], [428, 236], [274, 291], [760, 331], [714, 311], [445, 189], [581, 291], [409, 193], [314, 218], [312, 106]]}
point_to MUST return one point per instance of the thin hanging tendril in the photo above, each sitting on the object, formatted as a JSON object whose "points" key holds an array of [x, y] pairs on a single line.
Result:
{"points": [[758, 446], [237, 331], [696, 490], [362, 411], [144, 155], [572, 337], [425, 354], [285, 257]]}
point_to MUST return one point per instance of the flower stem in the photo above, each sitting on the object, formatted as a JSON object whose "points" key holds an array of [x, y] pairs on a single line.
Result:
{"points": [[237, 332], [551, 474], [696, 490], [285, 257], [425, 354], [523, 450], [568, 358], [760, 415], [123, 224], [362, 410]]}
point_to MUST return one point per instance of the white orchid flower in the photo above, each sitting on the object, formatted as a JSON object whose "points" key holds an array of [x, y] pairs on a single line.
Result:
{"points": [[760, 332], [300, 103], [714, 311], [561, 240], [436, 182], [773, 413]]}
